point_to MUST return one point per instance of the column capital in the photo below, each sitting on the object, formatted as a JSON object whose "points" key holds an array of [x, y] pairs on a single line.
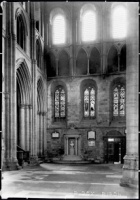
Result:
{"points": [[24, 106], [34, 61], [7, 95], [10, 36], [30, 107]]}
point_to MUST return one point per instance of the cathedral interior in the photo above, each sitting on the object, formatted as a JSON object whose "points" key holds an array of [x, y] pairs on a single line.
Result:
{"points": [[70, 84]]}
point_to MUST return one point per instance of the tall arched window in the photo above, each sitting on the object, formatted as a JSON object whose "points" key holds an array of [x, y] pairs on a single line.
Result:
{"points": [[119, 22], [59, 29], [21, 39], [60, 103], [89, 102], [88, 26], [119, 101]]}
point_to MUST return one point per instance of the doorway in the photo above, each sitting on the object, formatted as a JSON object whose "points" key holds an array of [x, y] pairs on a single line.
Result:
{"points": [[114, 150]]}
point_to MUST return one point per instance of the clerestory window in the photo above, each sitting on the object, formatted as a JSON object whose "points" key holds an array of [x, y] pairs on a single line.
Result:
{"points": [[88, 26], [119, 22], [59, 29]]}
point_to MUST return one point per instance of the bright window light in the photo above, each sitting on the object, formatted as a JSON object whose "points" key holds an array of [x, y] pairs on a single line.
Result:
{"points": [[119, 22], [59, 30], [88, 26]]}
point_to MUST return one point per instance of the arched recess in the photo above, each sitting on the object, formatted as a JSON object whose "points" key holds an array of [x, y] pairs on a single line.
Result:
{"points": [[51, 65], [112, 60], [21, 28], [123, 58], [81, 62], [63, 64], [39, 53], [94, 61], [40, 116], [24, 119]]}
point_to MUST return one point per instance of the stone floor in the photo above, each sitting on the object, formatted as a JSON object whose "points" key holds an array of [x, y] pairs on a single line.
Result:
{"points": [[83, 181]]}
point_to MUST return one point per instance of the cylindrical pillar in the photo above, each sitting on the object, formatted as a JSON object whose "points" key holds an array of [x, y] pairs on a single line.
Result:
{"points": [[30, 131], [22, 127], [130, 168], [27, 132]]}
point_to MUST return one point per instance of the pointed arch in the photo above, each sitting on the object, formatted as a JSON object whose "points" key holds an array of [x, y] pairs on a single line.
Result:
{"points": [[40, 95], [19, 12], [63, 64], [24, 81], [81, 62], [21, 28], [94, 61], [112, 60], [38, 53]]}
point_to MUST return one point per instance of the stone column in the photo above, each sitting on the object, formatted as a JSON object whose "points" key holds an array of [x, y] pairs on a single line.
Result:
{"points": [[22, 127], [27, 131], [44, 133], [9, 88], [30, 131], [130, 167], [34, 83]]}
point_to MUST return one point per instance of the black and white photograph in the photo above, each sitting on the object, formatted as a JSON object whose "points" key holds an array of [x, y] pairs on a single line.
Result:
{"points": [[70, 100]]}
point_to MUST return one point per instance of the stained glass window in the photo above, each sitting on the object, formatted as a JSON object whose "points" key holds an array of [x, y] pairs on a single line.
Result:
{"points": [[119, 101], [89, 102], [60, 100], [122, 101]]}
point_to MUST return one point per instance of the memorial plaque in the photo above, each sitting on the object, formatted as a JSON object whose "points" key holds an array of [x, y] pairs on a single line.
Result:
{"points": [[91, 135], [55, 135]]}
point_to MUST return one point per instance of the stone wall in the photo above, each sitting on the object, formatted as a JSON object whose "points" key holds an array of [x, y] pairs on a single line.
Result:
{"points": [[75, 124]]}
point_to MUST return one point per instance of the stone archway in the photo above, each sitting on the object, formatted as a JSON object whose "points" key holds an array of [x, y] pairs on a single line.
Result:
{"points": [[24, 110]]}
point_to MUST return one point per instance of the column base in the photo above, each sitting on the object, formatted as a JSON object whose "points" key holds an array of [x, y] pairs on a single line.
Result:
{"points": [[130, 171], [34, 160], [10, 165]]}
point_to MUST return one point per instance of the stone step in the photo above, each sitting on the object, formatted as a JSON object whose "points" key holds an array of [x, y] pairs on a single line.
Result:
{"points": [[72, 157]]}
